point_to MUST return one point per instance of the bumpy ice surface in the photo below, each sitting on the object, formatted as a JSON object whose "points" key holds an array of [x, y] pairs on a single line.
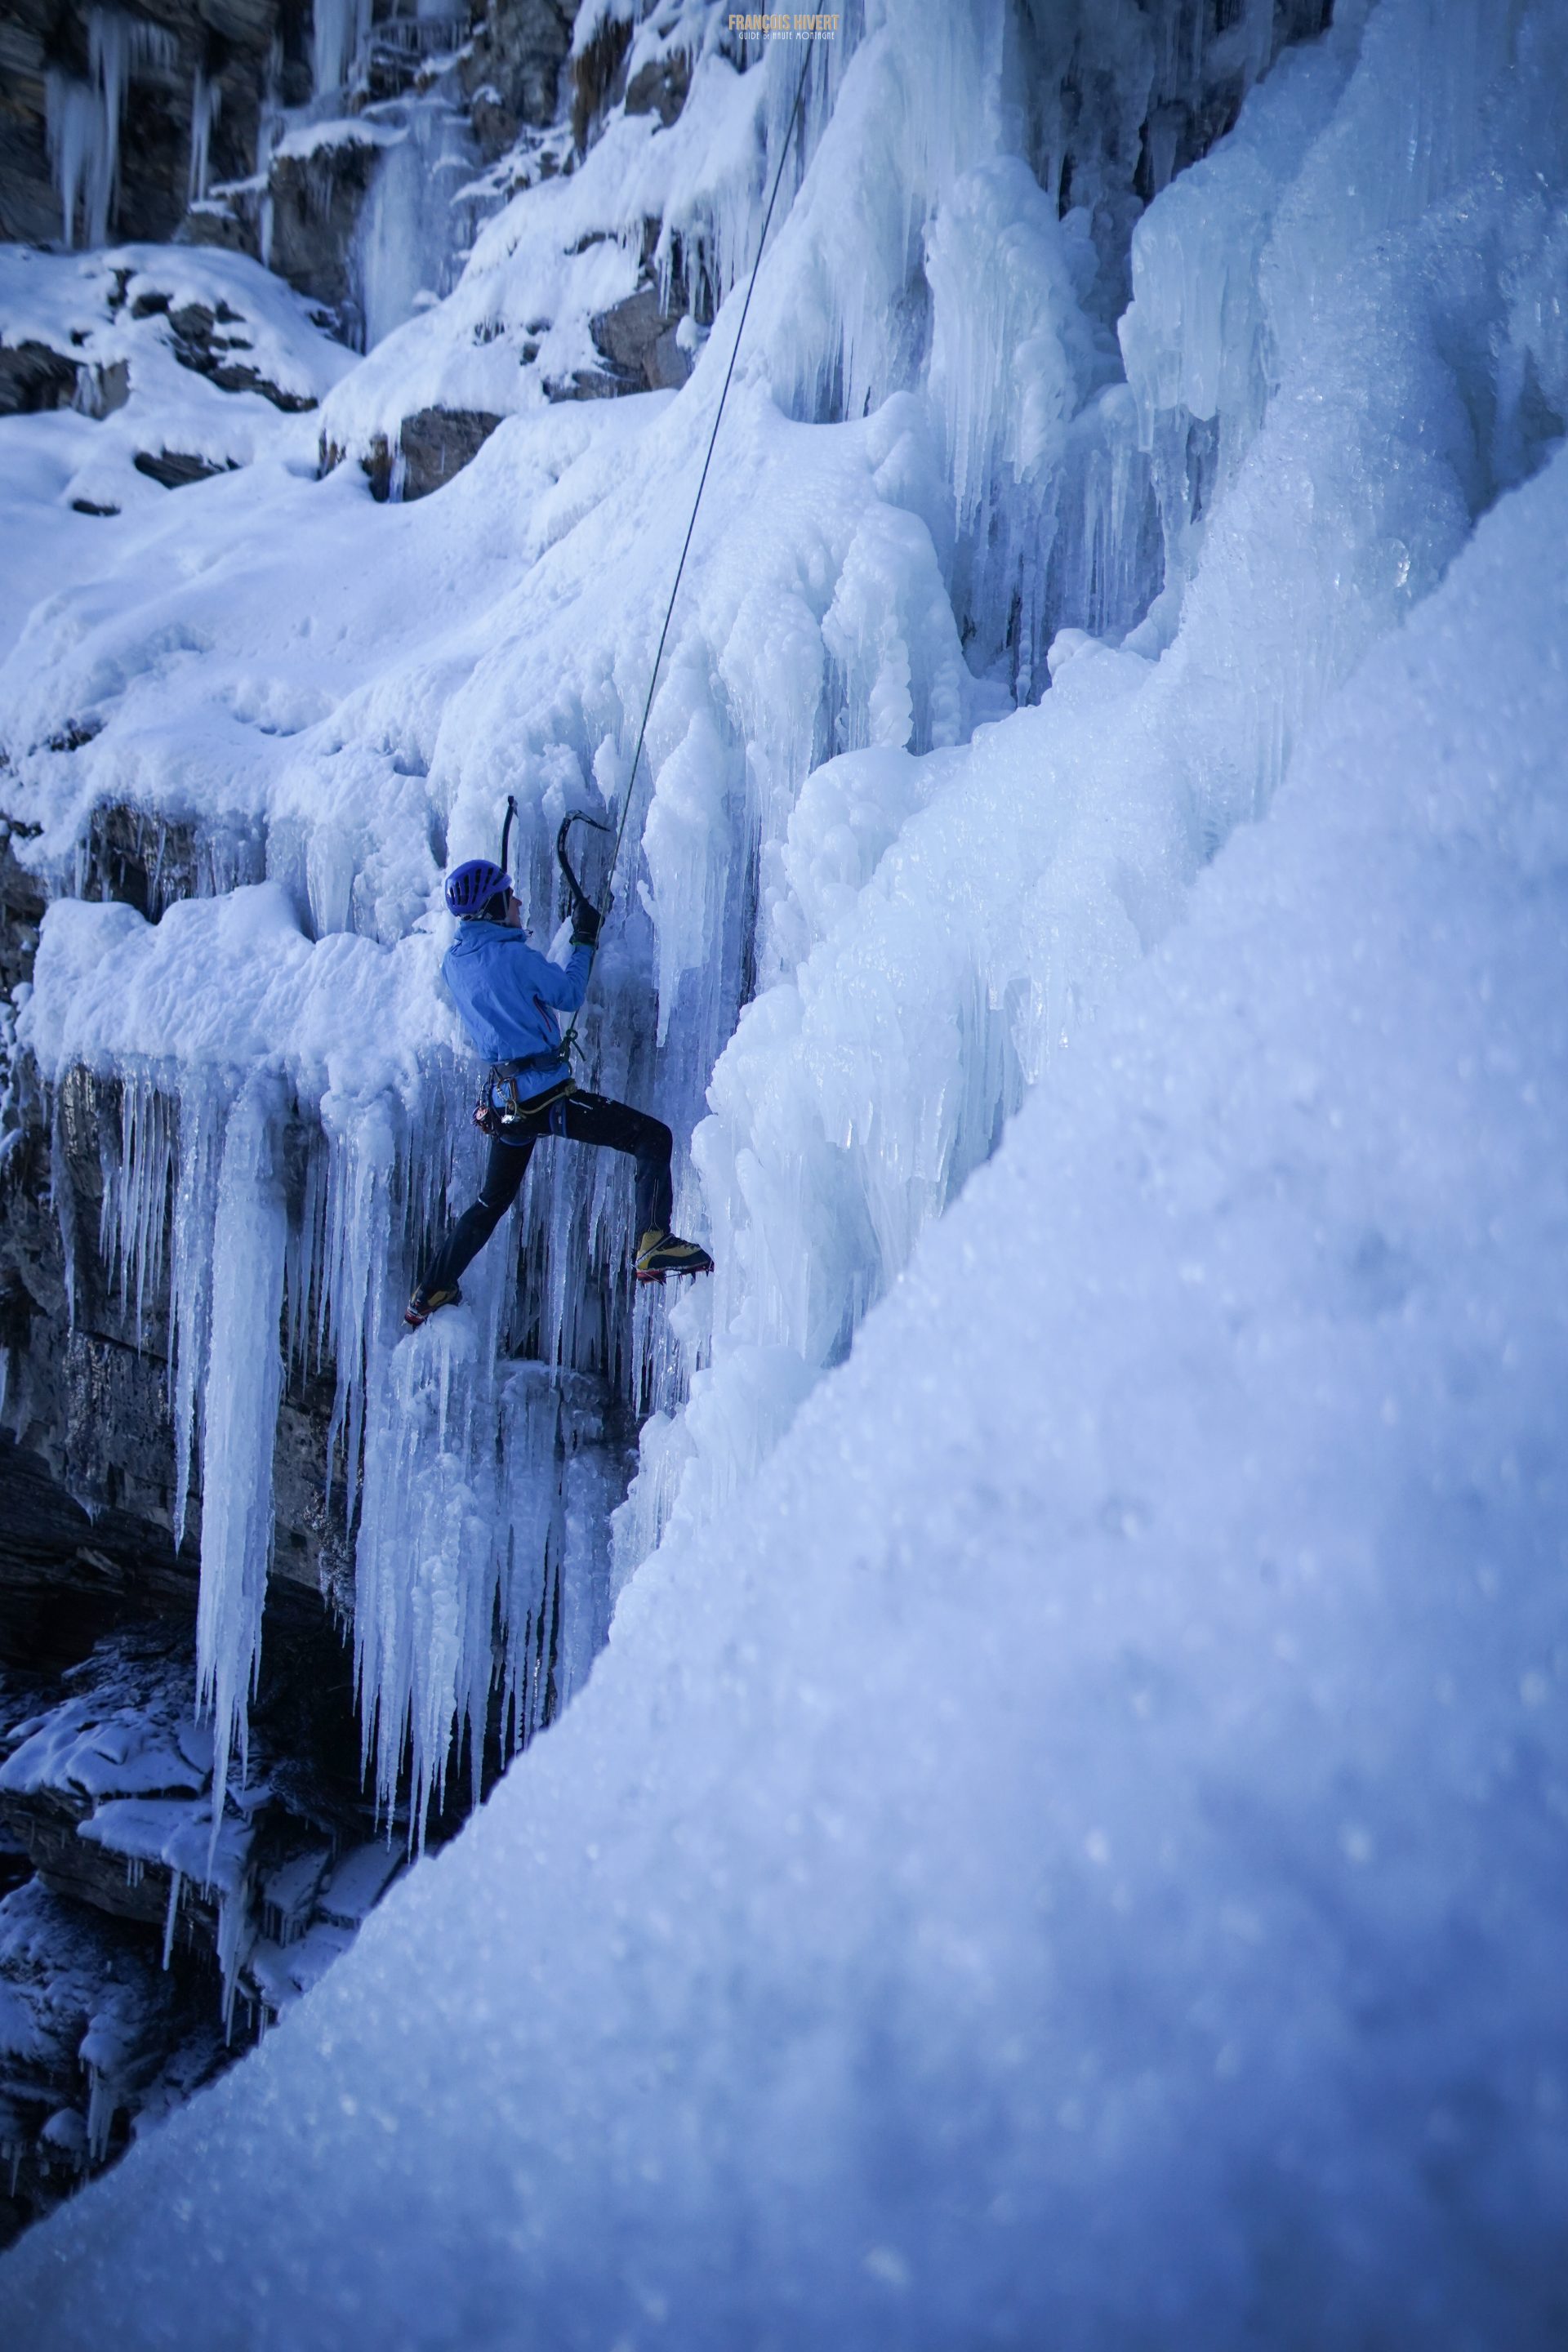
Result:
{"points": [[1061, 1844]]}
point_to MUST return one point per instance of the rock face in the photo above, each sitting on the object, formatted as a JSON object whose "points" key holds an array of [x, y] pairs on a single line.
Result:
{"points": [[513, 66], [637, 338], [219, 49], [173, 467], [161, 107], [69, 1577], [433, 445], [660, 86], [598, 76], [169, 104], [316, 200], [33, 377]]}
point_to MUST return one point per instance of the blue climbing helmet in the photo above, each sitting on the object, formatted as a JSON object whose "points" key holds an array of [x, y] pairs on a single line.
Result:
{"points": [[472, 887]]}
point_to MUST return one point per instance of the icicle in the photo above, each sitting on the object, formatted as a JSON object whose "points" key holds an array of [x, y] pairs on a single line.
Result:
{"points": [[530, 1434], [73, 115], [62, 1199], [339, 28], [271, 123], [134, 1219], [83, 120], [207, 105], [483, 1494], [102, 2105], [203, 1102], [241, 1396], [235, 1935], [304, 1261], [172, 1916], [356, 1312], [425, 1567]]}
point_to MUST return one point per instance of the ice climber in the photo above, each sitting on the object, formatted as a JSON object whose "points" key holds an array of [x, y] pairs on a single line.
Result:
{"points": [[508, 995]]}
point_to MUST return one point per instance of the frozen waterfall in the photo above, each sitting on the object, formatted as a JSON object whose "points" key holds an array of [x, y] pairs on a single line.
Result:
{"points": [[1058, 1842], [865, 917]]}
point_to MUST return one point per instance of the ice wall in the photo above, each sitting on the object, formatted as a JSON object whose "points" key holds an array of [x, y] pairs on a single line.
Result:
{"points": [[1007, 605], [461, 1538], [1340, 421], [412, 223], [482, 1489], [1072, 1855]]}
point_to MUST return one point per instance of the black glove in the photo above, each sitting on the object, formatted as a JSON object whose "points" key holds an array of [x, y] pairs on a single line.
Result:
{"points": [[585, 921]]}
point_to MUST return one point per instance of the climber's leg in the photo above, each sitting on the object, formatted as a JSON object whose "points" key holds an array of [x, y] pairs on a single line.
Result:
{"points": [[504, 1172], [593, 1118]]}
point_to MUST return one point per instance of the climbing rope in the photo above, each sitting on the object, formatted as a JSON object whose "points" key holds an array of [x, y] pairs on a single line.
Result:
{"points": [[569, 1040]]}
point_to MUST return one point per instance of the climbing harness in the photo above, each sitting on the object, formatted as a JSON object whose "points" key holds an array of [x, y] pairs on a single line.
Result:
{"points": [[499, 1108], [569, 1039]]}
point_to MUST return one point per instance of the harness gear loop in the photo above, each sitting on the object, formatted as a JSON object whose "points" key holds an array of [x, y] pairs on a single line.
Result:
{"points": [[493, 1116]]}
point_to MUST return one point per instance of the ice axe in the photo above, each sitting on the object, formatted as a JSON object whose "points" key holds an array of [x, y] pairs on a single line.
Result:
{"points": [[579, 896], [579, 816]]}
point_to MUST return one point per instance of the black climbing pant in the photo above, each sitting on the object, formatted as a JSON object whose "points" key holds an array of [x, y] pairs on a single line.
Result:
{"points": [[583, 1118]]}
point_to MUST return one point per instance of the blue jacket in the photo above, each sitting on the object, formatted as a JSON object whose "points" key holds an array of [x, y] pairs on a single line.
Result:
{"points": [[509, 995]]}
